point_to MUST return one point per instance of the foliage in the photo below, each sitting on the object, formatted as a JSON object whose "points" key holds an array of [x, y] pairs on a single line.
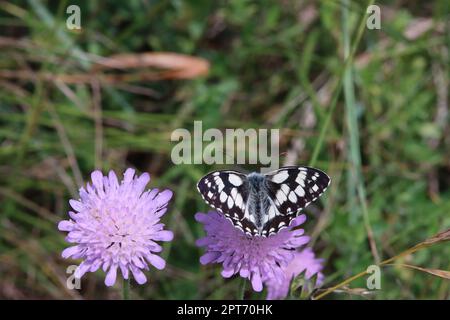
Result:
{"points": [[273, 64]]}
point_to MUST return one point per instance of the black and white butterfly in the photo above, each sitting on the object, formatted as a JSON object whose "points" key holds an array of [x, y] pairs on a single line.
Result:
{"points": [[263, 204]]}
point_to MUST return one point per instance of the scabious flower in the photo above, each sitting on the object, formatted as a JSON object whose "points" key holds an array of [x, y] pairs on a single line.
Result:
{"points": [[115, 225], [256, 258], [304, 262]]}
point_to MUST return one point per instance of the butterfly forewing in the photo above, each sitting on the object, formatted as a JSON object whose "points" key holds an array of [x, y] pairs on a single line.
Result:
{"points": [[227, 192]]}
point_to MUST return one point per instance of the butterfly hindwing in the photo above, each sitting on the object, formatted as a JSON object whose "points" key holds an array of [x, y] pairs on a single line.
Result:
{"points": [[227, 192]]}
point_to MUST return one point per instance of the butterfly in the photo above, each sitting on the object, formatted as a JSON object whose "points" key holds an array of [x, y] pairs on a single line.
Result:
{"points": [[263, 204]]}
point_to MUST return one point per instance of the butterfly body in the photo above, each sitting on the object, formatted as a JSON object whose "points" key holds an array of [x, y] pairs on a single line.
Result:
{"points": [[258, 200], [262, 204]]}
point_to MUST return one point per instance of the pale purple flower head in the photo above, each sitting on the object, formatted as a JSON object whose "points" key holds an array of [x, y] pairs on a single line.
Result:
{"points": [[256, 258], [116, 225], [303, 262]]}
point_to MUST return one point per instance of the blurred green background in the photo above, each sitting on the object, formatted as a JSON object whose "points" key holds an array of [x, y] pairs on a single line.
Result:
{"points": [[378, 125]]}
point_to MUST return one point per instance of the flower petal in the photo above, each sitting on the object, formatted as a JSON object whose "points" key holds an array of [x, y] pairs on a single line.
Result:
{"points": [[209, 257], [201, 217], [97, 179], [141, 182], [164, 235], [65, 225], [125, 271], [139, 276], [158, 262], [298, 221], [76, 205], [111, 276], [128, 175], [113, 182], [227, 273], [68, 252], [164, 196], [257, 282], [82, 269]]}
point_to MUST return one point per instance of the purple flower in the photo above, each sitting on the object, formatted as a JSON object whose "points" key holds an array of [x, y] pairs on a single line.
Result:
{"points": [[304, 261], [256, 258], [115, 225]]}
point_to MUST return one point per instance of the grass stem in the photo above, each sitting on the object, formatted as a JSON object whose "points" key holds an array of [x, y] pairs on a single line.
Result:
{"points": [[126, 289]]}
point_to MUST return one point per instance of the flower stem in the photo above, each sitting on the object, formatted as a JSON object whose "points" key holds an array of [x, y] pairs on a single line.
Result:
{"points": [[126, 289], [242, 289]]}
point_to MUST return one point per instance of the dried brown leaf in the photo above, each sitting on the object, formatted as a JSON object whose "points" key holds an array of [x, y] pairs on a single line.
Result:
{"points": [[176, 66]]}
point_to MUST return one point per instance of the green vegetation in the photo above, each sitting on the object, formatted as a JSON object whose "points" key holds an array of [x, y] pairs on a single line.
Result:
{"points": [[369, 107]]}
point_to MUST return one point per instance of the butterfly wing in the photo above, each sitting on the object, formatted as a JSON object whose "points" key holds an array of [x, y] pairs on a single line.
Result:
{"points": [[291, 189], [227, 192]]}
